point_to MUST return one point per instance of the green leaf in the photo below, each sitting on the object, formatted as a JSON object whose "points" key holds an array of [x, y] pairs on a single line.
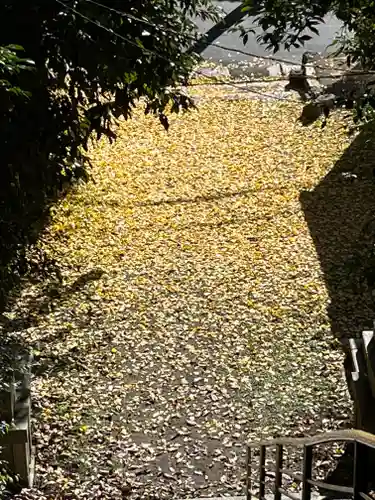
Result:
{"points": [[15, 47], [304, 38]]}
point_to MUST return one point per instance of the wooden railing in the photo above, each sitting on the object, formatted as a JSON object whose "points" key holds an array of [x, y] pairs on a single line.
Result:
{"points": [[363, 442]]}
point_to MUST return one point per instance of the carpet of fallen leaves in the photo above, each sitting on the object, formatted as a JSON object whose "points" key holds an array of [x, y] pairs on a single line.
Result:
{"points": [[192, 312]]}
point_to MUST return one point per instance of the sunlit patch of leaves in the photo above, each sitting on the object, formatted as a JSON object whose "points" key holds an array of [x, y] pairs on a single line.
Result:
{"points": [[190, 314]]}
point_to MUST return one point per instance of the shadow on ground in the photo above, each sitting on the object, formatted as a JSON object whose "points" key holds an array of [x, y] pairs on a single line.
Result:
{"points": [[29, 187], [24, 205], [35, 307], [340, 214]]}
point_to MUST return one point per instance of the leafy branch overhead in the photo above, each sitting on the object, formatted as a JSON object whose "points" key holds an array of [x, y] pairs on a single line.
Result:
{"points": [[68, 70], [292, 23], [11, 64], [86, 51]]}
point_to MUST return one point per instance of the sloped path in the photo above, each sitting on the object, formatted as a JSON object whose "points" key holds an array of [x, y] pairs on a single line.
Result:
{"points": [[193, 310]]}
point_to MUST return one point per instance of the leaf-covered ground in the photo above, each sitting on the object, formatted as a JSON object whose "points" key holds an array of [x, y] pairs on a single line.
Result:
{"points": [[192, 313]]}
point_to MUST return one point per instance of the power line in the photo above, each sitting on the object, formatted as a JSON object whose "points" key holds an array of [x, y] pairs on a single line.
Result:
{"points": [[263, 94], [155, 54], [175, 32], [239, 82], [117, 35], [216, 81], [130, 16], [268, 79], [140, 20], [148, 51], [220, 46]]}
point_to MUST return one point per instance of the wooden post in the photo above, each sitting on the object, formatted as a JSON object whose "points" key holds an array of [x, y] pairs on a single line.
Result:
{"points": [[279, 475], [360, 472], [248, 474], [262, 472], [7, 402], [15, 409], [307, 471]]}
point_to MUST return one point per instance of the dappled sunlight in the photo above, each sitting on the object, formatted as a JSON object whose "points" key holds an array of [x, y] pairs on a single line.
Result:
{"points": [[193, 309]]}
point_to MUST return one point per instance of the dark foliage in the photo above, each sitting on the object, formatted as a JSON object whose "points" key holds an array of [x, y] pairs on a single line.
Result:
{"points": [[77, 67]]}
